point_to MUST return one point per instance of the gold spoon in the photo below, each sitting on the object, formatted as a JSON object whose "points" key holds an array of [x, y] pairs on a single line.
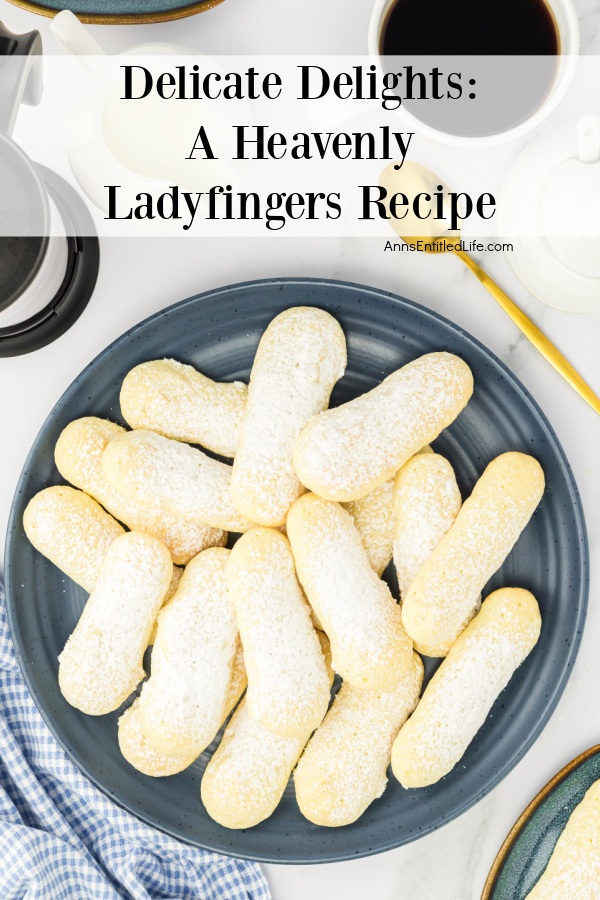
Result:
{"points": [[412, 179]]}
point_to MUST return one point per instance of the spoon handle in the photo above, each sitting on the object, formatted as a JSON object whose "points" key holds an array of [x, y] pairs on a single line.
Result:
{"points": [[531, 331]]}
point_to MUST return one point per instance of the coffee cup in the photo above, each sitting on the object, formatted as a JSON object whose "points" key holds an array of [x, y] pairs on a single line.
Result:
{"points": [[514, 93]]}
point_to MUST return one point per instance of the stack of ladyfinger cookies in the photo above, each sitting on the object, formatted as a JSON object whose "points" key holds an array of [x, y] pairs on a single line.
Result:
{"points": [[320, 501]]}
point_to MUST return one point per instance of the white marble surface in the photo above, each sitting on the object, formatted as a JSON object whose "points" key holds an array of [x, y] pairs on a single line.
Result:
{"points": [[139, 277]]}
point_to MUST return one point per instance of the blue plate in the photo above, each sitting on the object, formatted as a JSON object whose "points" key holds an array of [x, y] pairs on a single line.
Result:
{"points": [[120, 12], [528, 848], [218, 332]]}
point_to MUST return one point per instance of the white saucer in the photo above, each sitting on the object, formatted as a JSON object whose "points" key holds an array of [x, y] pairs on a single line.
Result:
{"points": [[526, 221]]}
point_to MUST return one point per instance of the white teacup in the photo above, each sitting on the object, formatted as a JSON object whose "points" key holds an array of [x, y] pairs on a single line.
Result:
{"points": [[567, 25]]}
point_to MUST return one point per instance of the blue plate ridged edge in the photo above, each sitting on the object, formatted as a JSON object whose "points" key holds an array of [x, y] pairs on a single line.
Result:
{"points": [[324, 852]]}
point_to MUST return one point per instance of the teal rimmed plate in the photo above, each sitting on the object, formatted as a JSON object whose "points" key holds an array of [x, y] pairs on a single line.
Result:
{"points": [[526, 851], [119, 12]]}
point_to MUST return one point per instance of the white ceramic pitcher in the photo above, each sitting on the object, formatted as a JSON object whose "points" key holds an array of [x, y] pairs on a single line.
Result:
{"points": [[137, 144]]}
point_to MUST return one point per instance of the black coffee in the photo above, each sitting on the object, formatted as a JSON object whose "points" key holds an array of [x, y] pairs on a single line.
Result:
{"points": [[469, 28]]}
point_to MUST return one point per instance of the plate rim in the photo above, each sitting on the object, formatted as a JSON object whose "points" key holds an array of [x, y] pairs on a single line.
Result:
{"points": [[581, 529], [526, 815], [191, 9]]}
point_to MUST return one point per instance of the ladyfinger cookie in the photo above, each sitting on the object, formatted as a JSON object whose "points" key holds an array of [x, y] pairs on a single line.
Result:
{"points": [[299, 359], [374, 518], [460, 695], [181, 705], [171, 591], [141, 754], [573, 872], [178, 402], [369, 645], [343, 453], [288, 686], [238, 681], [72, 531], [426, 501], [155, 471], [101, 663], [444, 594], [344, 766], [247, 775], [78, 457]]}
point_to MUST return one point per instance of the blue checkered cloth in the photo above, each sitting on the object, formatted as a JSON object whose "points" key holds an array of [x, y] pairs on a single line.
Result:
{"points": [[62, 839]]}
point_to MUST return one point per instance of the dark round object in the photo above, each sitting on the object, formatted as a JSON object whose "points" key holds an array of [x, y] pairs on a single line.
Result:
{"points": [[25, 203], [218, 332], [20, 260], [80, 277]]}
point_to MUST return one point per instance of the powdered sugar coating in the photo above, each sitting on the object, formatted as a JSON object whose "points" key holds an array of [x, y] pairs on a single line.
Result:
{"points": [[181, 704], [155, 471], [573, 872], [373, 517], [344, 767], [288, 685], [460, 695], [445, 593], [171, 590], [140, 753], [247, 775], [300, 357], [72, 531], [369, 645], [426, 501], [238, 681], [78, 457], [101, 663], [179, 402], [343, 453]]}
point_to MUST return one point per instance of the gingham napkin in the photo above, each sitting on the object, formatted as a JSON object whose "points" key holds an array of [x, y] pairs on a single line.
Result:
{"points": [[62, 839]]}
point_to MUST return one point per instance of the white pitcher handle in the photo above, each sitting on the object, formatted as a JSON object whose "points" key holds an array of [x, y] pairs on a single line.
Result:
{"points": [[588, 139], [76, 39]]}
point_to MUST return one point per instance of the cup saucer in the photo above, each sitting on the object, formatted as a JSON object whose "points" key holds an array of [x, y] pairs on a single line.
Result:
{"points": [[558, 268]]}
